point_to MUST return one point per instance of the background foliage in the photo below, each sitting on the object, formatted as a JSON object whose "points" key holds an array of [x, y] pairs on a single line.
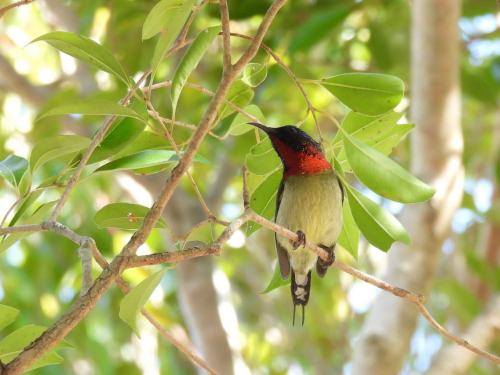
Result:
{"points": [[41, 274]]}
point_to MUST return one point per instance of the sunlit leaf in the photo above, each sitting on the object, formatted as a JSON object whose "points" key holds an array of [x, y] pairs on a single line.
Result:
{"points": [[254, 74], [134, 300], [276, 280], [367, 93], [52, 148], [127, 216], [7, 315], [190, 61], [240, 125], [383, 175], [87, 50], [378, 226], [91, 107]]}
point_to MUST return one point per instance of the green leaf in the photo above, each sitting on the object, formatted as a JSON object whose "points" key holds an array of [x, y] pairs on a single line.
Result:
{"points": [[349, 236], [383, 175], [12, 168], [146, 159], [381, 132], [134, 300], [190, 61], [87, 50], [317, 27], [276, 280], [14, 343], [124, 216], [263, 199], [367, 93], [24, 204], [7, 315], [145, 141], [378, 226], [262, 159], [39, 215], [240, 125], [172, 20], [91, 107], [254, 74], [240, 94], [119, 136], [52, 148], [206, 233], [160, 17]]}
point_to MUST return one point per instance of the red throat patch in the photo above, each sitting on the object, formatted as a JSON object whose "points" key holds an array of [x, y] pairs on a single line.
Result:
{"points": [[309, 161]]}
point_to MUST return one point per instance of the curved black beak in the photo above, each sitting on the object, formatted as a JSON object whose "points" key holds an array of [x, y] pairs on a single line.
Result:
{"points": [[264, 128]]}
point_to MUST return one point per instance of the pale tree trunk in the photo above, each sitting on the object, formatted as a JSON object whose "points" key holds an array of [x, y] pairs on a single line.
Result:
{"points": [[437, 146]]}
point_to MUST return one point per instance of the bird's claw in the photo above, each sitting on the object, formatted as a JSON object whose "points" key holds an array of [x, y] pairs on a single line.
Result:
{"points": [[300, 241], [331, 257]]}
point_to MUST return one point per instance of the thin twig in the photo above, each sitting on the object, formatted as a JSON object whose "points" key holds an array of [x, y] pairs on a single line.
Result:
{"points": [[21, 228], [6, 8], [246, 195], [226, 35]]}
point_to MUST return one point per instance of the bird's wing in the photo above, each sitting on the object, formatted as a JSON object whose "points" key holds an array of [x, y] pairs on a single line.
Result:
{"points": [[283, 260]]}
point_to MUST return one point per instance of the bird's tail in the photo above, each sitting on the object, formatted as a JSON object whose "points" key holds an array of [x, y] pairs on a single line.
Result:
{"points": [[300, 287]]}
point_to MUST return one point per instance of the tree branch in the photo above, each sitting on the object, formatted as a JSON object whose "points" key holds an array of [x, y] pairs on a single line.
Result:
{"points": [[6, 8], [226, 35]]}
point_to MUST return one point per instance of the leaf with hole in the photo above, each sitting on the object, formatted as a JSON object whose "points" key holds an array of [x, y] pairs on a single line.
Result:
{"points": [[368, 93], [127, 216], [135, 300], [190, 61], [383, 175], [254, 74], [87, 50], [59, 146], [378, 226]]}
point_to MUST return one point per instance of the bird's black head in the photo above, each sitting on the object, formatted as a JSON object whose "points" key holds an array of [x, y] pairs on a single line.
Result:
{"points": [[300, 154]]}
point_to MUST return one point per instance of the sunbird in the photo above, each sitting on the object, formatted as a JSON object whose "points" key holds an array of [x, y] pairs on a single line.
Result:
{"points": [[309, 203]]}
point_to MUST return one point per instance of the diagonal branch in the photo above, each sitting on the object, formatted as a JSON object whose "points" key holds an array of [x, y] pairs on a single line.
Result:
{"points": [[226, 34], [6, 8]]}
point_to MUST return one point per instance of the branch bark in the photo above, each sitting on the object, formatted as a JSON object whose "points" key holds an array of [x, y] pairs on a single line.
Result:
{"points": [[436, 158]]}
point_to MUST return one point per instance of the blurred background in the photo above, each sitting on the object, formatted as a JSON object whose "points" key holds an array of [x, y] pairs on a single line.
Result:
{"points": [[452, 75]]}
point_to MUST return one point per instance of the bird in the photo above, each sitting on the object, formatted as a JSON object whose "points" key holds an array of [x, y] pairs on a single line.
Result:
{"points": [[309, 202]]}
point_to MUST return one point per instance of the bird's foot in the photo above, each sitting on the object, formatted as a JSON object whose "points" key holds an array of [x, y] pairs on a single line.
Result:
{"points": [[301, 240], [324, 264]]}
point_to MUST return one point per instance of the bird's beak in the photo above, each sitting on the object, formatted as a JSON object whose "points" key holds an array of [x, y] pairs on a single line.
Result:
{"points": [[264, 128]]}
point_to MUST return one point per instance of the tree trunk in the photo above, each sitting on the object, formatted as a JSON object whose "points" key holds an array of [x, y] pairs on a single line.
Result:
{"points": [[437, 147]]}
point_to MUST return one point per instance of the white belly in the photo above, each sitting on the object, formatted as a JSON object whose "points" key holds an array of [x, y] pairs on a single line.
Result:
{"points": [[312, 204]]}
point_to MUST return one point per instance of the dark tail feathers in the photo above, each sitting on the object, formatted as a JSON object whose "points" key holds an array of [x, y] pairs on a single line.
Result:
{"points": [[300, 293]]}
